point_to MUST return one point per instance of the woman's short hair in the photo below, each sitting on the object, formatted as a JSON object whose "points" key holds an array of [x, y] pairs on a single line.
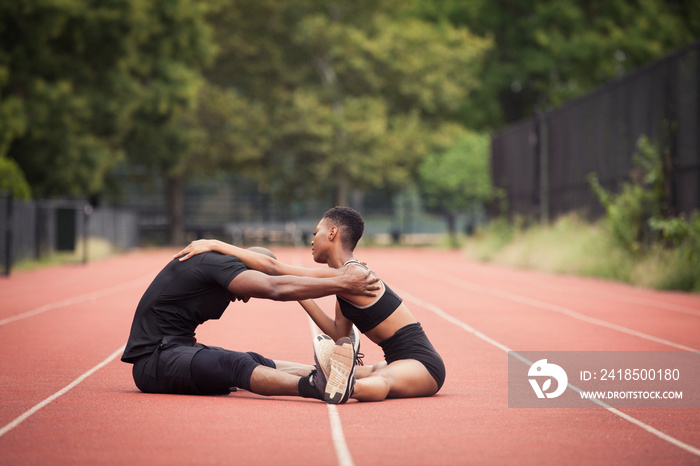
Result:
{"points": [[349, 221]]}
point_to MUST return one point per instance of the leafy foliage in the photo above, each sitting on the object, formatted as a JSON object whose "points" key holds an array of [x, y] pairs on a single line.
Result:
{"points": [[459, 177], [684, 235], [353, 91], [12, 180], [639, 200], [547, 52], [83, 80]]}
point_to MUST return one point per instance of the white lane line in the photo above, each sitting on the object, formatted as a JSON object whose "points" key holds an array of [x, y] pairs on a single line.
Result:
{"points": [[642, 301], [79, 299], [552, 307], [342, 451], [478, 334], [59, 393], [341, 447]]}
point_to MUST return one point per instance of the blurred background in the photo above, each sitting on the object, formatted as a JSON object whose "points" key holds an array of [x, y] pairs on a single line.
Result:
{"points": [[150, 123]]}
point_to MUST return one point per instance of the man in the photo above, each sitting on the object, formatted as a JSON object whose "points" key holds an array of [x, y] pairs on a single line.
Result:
{"points": [[162, 345]]}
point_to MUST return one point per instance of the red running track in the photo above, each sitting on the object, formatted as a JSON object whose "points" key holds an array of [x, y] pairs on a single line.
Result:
{"points": [[67, 399]]}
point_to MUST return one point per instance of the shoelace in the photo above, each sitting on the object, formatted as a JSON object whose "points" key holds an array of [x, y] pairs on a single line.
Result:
{"points": [[359, 359]]}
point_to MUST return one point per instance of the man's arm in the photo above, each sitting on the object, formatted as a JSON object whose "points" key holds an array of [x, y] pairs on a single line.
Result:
{"points": [[254, 284], [254, 260]]}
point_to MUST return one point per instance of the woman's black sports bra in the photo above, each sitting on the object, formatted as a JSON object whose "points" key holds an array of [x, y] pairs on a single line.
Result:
{"points": [[368, 317]]}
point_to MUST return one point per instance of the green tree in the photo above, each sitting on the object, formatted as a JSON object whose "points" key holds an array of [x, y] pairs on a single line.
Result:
{"points": [[175, 45], [58, 65], [458, 179], [353, 91], [12, 180], [549, 51], [84, 83]]}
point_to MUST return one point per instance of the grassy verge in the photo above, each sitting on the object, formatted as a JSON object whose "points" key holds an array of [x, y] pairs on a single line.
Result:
{"points": [[572, 246], [97, 248]]}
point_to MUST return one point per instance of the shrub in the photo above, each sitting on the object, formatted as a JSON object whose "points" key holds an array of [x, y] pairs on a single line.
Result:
{"points": [[627, 213], [12, 179], [683, 235]]}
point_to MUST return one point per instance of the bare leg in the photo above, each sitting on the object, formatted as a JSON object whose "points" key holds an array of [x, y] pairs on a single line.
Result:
{"points": [[302, 370], [271, 382], [406, 378], [365, 371]]}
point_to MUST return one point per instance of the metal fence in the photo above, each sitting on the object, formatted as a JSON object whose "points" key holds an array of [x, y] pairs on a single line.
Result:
{"points": [[34, 230], [542, 164]]}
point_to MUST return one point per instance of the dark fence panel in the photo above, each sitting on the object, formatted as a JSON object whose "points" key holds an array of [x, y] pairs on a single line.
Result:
{"points": [[118, 226], [24, 241], [33, 230], [686, 181], [598, 133], [5, 232], [515, 165]]}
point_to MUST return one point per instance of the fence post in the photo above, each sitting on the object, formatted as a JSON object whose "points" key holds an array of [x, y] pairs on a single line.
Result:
{"points": [[8, 235], [87, 212], [543, 148]]}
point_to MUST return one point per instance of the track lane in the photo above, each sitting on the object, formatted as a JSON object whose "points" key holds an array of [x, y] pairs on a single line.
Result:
{"points": [[508, 324], [655, 314], [106, 420], [619, 443], [50, 286]]}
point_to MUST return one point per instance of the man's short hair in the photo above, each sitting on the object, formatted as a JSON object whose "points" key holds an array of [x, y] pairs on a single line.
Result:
{"points": [[349, 221]]}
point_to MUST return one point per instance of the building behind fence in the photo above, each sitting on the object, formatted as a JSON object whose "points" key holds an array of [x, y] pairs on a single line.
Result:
{"points": [[542, 164], [34, 230]]}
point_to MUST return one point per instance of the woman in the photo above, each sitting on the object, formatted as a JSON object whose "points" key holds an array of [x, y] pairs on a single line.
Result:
{"points": [[412, 367]]}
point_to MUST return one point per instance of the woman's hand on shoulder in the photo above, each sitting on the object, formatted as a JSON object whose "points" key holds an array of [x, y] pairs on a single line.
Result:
{"points": [[196, 247]]}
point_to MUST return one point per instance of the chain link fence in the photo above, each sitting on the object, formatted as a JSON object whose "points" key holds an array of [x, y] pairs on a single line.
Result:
{"points": [[542, 164]]}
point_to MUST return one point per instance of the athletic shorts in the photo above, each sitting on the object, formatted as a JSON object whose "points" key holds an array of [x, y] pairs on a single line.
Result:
{"points": [[181, 366], [411, 342]]}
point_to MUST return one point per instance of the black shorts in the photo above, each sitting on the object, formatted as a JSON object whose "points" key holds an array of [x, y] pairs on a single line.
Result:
{"points": [[411, 342], [181, 366]]}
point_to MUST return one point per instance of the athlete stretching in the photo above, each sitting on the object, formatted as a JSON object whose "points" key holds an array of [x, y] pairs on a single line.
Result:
{"points": [[168, 359], [412, 367]]}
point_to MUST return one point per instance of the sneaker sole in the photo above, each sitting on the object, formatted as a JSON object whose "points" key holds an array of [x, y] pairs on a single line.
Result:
{"points": [[323, 348], [342, 372]]}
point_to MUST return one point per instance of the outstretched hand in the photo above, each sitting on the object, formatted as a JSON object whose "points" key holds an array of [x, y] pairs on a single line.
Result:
{"points": [[195, 247], [361, 281]]}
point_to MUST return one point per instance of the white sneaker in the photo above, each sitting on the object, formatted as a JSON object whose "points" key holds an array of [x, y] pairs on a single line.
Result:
{"points": [[323, 347], [341, 381], [355, 339]]}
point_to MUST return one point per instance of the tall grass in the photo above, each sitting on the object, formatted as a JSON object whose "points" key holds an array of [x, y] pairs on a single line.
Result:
{"points": [[571, 245], [97, 248]]}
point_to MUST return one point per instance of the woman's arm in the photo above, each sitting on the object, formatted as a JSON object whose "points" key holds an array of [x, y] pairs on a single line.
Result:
{"points": [[340, 327], [254, 260]]}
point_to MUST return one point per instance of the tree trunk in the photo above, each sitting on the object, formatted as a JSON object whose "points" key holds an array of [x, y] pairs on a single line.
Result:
{"points": [[451, 220], [341, 189], [175, 187]]}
